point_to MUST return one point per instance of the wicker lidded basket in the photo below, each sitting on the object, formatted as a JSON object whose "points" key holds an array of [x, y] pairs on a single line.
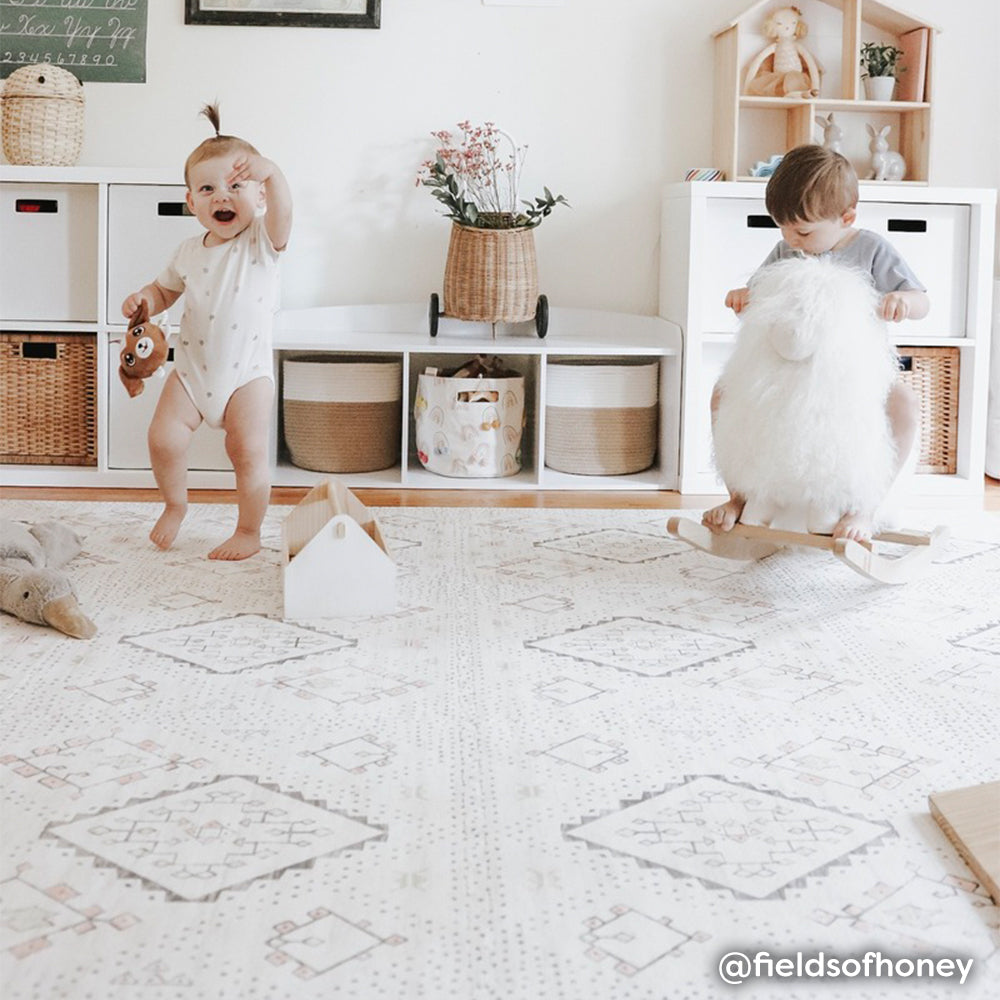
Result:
{"points": [[42, 116], [601, 418], [491, 274], [341, 415], [932, 373]]}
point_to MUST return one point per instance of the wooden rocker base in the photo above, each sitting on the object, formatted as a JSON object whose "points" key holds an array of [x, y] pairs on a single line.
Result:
{"points": [[750, 542]]}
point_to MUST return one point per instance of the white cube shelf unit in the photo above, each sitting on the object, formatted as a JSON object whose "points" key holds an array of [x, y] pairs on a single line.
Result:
{"points": [[77, 240], [716, 234], [401, 332]]}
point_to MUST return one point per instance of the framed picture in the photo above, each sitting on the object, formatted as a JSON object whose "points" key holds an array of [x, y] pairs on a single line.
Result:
{"points": [[291, 13]]}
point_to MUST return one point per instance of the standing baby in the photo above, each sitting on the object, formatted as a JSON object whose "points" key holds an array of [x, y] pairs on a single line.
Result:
{"points": [[223, 372]]}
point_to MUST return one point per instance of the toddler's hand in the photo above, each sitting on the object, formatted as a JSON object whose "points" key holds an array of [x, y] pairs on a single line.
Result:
{"points": [[251, 167], [133, 302], [737, 299], [895, 307]]}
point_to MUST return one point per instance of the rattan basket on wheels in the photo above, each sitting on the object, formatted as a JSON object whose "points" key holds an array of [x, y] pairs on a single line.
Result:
{"points": [[42, 116]]}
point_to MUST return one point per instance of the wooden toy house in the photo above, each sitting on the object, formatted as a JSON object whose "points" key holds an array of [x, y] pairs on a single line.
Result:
{"points": [[335, 563], [749, 130]]}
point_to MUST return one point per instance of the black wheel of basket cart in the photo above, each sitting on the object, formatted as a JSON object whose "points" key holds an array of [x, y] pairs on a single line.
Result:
{"points": [[542, 316], [433, 313]]}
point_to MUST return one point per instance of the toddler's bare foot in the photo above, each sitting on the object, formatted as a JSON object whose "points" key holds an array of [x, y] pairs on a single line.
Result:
{"points": [[857, 527], [165, 530], [723, 518], [241, 545]]}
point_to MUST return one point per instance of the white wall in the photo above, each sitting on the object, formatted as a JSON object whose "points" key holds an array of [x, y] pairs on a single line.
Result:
{"points": [[613, 97]]}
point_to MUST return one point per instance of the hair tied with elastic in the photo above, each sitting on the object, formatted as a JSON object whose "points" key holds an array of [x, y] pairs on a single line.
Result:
{"points": [[211, 112]]}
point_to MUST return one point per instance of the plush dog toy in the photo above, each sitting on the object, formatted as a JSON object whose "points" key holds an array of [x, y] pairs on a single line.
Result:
{"points": [[801, 423], [32, 586], [144, 351]]}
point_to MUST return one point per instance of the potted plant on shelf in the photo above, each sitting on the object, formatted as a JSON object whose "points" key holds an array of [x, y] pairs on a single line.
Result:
{"points": [[491, 272], [879, 62]]}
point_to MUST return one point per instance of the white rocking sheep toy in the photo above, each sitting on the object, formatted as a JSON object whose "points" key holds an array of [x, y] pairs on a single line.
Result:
{"points": [[886, 164], [801, 418], [801, 428]]}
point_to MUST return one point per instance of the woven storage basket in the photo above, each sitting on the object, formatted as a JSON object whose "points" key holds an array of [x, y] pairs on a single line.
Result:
{"points": [[601, 419], [48, 398], [42, 116], [491, 275], [932, 373], [342, 416]]}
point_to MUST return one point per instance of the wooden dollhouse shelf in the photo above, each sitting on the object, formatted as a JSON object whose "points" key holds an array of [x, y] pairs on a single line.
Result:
{"points": [[749, 128]]}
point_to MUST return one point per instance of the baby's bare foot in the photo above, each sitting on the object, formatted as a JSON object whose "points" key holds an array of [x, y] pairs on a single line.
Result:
{"points": [[165, 530], [854, 526], [724, 517], [241, 545]]}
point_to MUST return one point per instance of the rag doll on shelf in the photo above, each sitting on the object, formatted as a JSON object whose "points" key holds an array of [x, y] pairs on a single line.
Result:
{"points": [[784, 68]]}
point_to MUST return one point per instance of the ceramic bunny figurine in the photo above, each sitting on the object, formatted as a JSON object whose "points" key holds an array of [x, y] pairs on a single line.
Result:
{"points": [[833, 134], [886, 165]]}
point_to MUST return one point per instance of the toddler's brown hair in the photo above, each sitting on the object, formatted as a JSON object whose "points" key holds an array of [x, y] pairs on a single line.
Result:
{"points": [[217, 145], [811, 183]]}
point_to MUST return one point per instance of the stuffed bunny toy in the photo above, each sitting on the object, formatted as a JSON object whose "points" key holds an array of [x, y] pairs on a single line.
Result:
{"points": [[144, 351]]}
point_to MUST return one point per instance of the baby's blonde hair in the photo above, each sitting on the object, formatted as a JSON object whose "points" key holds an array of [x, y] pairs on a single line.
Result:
{"points": [[217, 145], [811, 183]]}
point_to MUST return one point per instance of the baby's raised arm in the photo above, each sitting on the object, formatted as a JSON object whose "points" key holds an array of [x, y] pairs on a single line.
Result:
{"points": [[278, 216]]}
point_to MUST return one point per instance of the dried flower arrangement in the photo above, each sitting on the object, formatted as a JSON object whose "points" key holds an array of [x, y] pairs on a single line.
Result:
{"points": [[477, 177]]}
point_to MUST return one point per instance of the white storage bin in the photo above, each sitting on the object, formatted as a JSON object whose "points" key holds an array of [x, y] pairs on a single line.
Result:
{"points": [[342, 415], [128, 422], [934, 241], [739, 234], [601, 417], [146, 223], [465, 439], [48, 252]]}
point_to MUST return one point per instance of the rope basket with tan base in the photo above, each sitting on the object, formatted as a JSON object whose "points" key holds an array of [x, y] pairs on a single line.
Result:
{"points": [[342, 415], [42, 116], [932, 373], [601, 419]]}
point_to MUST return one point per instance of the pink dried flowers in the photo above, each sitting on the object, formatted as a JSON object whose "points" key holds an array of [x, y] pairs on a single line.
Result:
{"points": [[477, 179]]}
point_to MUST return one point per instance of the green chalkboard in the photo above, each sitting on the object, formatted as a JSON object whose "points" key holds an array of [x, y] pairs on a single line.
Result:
{"points": [[95, 39]]}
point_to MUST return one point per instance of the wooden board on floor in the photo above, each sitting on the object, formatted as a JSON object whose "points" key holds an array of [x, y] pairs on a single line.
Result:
{"points": [[970, 818]]}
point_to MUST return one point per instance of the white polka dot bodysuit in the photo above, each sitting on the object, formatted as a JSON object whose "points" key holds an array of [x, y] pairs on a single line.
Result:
{"points": [[230, 295]]}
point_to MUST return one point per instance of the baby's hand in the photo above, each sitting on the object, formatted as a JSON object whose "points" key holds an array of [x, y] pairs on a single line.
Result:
{"points": [[251, 167], [895, 307], [737, 299], [133, 302]]}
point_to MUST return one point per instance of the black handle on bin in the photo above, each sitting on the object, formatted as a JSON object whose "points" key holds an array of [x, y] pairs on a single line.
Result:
{"points": [[36, 206], [172, 208], [46, 350], [907, 225]]}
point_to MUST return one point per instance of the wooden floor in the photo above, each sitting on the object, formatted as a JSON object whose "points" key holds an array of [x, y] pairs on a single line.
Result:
{"points": [[611, 500]]}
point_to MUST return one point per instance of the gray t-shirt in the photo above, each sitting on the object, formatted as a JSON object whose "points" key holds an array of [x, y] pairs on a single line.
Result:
{"points": [[868, 252]]}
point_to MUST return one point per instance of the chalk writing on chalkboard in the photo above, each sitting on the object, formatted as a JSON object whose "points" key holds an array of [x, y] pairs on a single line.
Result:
{"points": [[102, 40]]}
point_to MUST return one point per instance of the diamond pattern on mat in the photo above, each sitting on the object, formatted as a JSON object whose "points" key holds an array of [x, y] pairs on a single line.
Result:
{"points": [[618, 545], [227, 833], [731, 835], [640, 646], [243, 642]]}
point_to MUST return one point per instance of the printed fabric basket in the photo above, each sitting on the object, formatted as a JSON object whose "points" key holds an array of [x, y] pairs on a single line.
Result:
{"points": [[342, 416], [42, 116], [601, 419], [467, 437]]}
